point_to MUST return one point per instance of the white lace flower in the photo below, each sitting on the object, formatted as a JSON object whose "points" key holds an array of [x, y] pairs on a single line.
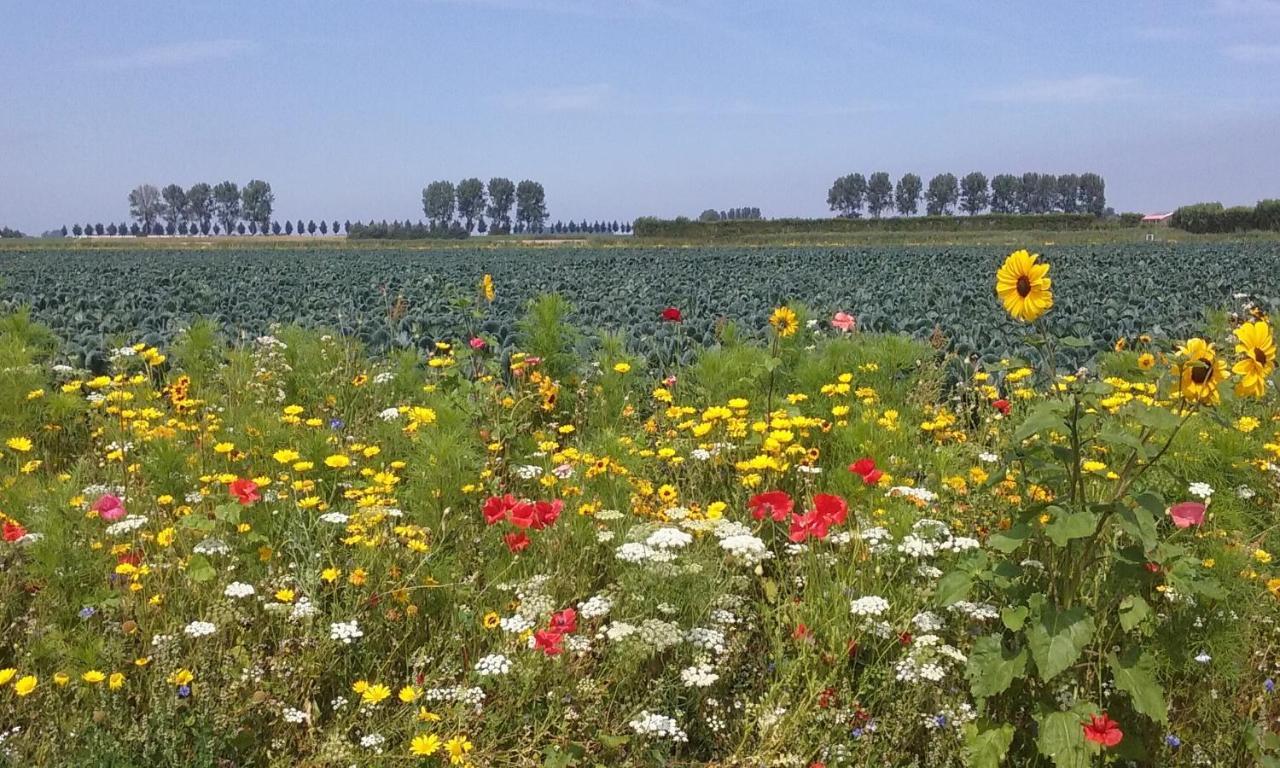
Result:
{"points": [[238, 589]]}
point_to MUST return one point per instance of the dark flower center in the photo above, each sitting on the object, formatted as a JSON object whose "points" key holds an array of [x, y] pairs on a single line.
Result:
{"points": [[1201, 371], [1260, 356], [1024, 286]]}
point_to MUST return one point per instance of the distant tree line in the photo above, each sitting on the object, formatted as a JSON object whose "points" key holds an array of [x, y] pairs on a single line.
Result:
{"points": [[221, 209], [733, 214], [591, 228], [6, 232], [194, 229], [202, 209], [473, 206], [1030, 193], [1204, 218]]}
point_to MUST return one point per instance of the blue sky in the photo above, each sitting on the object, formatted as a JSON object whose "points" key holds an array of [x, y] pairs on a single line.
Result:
{"points": [[630, 107]]}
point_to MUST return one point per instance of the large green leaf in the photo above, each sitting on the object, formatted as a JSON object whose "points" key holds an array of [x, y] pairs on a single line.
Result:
{"points": [[1061, 739], [1066, 525], [1133, 610], [1046, 416], [1134, 673], [986, 745], [1056, 639], [992, 668], [952, 588]]}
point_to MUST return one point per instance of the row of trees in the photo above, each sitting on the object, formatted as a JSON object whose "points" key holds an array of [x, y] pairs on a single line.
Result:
{"points": [[590, 227], [1203, 218], [200, 206], [733, 214], [205, 228], [471, 201], [1005, 193]]}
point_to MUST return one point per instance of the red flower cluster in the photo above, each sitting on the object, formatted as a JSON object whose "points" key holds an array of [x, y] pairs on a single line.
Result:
{"points": [[549, 640], [523, 514], [776, 505], [866, 468], [1002, 406], [245, 490], [13, 531], [1103, 730], [827, 511], [672, 315]]}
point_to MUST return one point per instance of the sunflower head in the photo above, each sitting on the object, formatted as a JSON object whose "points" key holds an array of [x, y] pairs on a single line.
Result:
{"points": [[1024, 286], [1199, 372], [1257, 349], [784, 321]]}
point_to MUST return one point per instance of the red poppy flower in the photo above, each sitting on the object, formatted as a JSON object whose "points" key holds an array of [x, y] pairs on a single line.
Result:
{"points": [[245, 490], [866, 467], [1152, 567], [548, 641], [811, 524], [774, 504], [801, 632], [132, 557], [522, 515], [546, 512], [13, 531], [905, 638], [517, 542], [1103, 730], [565, 621], [831, 508], [672, 315], [1187, 513], [497, 507], [1002, 406]]}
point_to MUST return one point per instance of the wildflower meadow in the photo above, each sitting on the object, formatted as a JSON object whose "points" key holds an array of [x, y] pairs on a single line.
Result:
{"points": [[804, 544]]}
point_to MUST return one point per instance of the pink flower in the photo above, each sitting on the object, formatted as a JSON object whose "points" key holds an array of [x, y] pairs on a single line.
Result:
{"points": [[1187, 513], [477, 343], [843, 322], [108, 507], [245, 490]]}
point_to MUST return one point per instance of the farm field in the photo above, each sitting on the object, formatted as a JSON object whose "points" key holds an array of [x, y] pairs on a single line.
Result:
{"points": [[390, 298], [935, 506]]}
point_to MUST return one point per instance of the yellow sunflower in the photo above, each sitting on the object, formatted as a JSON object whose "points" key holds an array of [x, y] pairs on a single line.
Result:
{"points": [[1200, 373], [784, 321], [1024, 286], [1258, 347]]}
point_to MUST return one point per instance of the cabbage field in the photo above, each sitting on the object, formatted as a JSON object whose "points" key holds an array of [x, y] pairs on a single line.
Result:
{"points": [[401, 298]]}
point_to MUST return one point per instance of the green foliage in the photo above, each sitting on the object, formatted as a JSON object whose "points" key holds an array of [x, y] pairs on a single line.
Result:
{"points": [[730, 230], [1204, 218]]}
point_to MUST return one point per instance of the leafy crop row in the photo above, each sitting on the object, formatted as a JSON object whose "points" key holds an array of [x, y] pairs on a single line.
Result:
{"points": [[407, 298]]}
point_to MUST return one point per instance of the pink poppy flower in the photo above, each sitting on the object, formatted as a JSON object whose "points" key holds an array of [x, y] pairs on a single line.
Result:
{"points": [[844, 322], [108, 507], [477, 343], [1187, 513]]}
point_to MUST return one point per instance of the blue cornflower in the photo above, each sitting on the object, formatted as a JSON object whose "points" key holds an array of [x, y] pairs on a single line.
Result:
{"points": [[184, 691], [336, 424], [1269, 685], [1172, 741], [87, 611]]}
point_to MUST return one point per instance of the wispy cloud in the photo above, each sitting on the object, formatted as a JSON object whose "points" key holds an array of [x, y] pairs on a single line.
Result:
{"points": [[1247, 7], [175, 54], [592, 97], [1166, 34], [604, 98], [1253, 54], [596, 9], [1071, 90]]}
